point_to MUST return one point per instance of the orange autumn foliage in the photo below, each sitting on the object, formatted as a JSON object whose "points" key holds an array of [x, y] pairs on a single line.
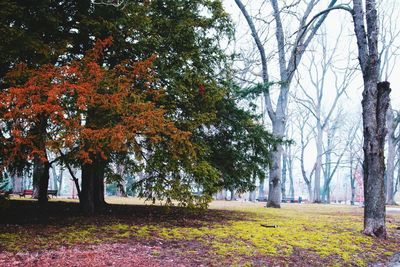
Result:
{"points": [[89, 108]]}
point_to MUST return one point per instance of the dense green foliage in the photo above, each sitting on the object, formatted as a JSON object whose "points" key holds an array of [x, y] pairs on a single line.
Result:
{"points": [[228, 148]]}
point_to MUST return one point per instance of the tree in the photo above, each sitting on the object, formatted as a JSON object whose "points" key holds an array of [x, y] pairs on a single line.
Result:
{"points": [[304, 141], [139, 30], [374, 105], [287, 67], [240, 147], [392, 122], [322, 108]]}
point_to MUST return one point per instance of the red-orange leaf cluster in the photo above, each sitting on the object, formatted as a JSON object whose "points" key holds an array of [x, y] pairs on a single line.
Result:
{"points": [[85, 106]]}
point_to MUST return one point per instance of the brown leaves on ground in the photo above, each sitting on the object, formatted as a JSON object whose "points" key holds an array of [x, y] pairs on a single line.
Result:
{"points": [[117, 254]]}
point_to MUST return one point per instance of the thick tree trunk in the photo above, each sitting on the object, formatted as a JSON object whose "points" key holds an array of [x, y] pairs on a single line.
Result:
{"points": [[92, 192], [375, 104], [274, 195], [41, 166], [41, 179], [278, 129], [310, 192]]}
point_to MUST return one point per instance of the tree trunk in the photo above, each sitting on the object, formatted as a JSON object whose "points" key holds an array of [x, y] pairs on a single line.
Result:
{"points": [[278, 129], [375, 103], [41, 166], [291, 178], [352, 182], [92, 192], [232, 194], [284, 171], [310, 192], [274, 195], [60, 180], [390, 159], [318, 166], [374, 106], [41, 179]]}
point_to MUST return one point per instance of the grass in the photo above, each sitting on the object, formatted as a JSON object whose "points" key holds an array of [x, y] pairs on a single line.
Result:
{"points": [[328, 235]]}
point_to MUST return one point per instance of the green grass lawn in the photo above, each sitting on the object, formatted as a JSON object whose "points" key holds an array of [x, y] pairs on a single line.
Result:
{"points": [[229, 233]]}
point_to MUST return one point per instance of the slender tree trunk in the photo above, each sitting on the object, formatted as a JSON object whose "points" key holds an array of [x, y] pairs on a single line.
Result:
{"points": [[284, 172], [352, 182], [60, 180], [390, 159], [318, 166], [291, 178], [327, 173]]}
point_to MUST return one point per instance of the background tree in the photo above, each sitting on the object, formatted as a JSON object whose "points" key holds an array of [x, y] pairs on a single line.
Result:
{"points": [[290, 50]]}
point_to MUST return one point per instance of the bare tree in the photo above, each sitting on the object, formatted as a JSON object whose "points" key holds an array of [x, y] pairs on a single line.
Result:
{"points": [[315, 98], [330, 167], [305, 138], [390, 48], [289, 56]]}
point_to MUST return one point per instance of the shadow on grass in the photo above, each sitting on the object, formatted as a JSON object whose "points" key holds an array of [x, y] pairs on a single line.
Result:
{"points": [[18, 212]]}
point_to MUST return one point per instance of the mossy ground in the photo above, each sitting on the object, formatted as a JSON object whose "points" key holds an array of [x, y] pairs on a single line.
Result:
{"points": [[309, 235]]}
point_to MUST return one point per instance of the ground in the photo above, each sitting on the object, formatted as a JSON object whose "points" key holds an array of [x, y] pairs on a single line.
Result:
{"points": [[129, 233]]}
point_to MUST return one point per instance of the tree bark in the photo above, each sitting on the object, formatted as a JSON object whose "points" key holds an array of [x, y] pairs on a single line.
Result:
{"points": [[318, 166], [290, 169], [92, 192], [41, 165], [284, 172], [374, 105], [274, 195], [286, 69], [352, 181], [390, 158]]}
